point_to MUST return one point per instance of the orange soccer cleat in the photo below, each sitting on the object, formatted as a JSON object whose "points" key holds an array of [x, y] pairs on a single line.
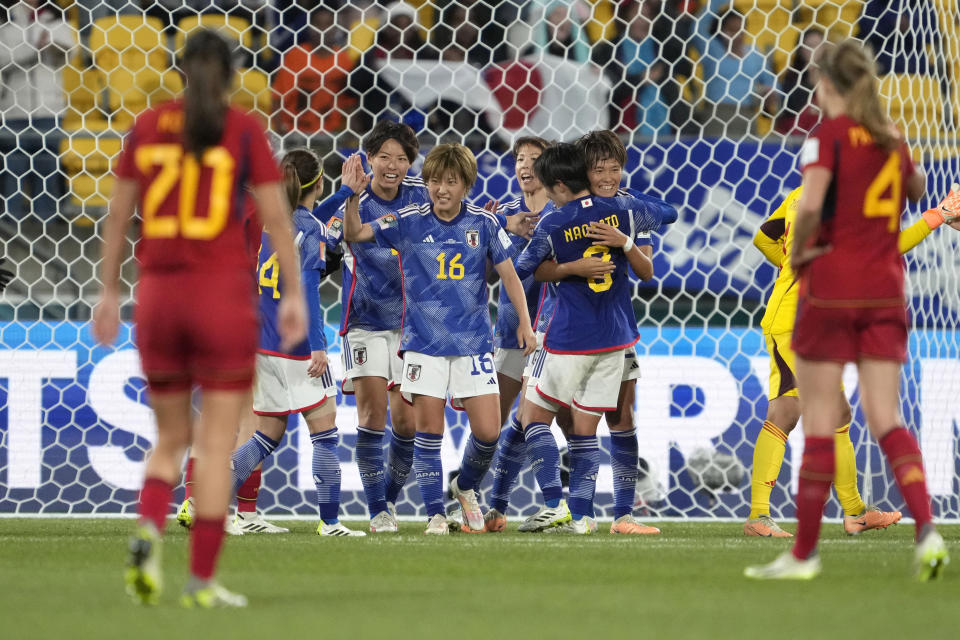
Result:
{"points": [[871, 518], [626, 524], [764, 527]]}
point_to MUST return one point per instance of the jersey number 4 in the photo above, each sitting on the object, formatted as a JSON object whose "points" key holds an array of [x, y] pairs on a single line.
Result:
{"points": [[269, 276], [177, 167], [888, 181]]}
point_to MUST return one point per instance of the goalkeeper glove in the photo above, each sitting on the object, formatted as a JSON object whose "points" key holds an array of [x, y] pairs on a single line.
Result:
{"points": [[947, 211]]}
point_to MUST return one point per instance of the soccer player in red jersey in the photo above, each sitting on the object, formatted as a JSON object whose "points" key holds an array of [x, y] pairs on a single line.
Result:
{"points": [[186, 165], [857, 170]]}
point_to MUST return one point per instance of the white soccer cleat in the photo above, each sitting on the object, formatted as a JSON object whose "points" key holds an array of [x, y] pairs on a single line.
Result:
{"points": [[212, 596], [437, 526], [545, 518], [472, 514], [786, 567], [383, 522], [338, 531], [231, 527], [392, 508], [585, 526], [253, 522], [930, 557]]}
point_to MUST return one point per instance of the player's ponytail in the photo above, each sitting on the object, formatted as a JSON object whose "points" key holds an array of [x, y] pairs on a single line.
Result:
{"points": [[851, 68], [301, 172], [208, 70]]}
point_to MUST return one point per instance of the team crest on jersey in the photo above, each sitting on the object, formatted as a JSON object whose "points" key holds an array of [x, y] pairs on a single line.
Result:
{"points": [[473, 238], [387, 221], [359, 355], [335, 224], [413, 372]]}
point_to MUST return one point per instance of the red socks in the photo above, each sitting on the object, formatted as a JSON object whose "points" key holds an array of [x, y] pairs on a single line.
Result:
{"points": [[816, 476], [247, 495], [188, 479], [206, 538], [155, 502], [905, 459]]}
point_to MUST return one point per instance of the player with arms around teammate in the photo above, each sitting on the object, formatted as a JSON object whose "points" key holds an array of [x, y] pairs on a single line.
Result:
{"points": [[856, 171], [187, 164], [592, 324], [298, 380], [446, 340], [775, 241], [372, 303]]}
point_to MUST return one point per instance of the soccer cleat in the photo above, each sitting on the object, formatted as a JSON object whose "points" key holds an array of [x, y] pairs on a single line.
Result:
{"points": [[930, 557], [494, 521], [392, 508], [231, 527], [253, 522], [627, 524], [871, 518], [786, 567], [545, 518], [764, 527], [472, 515], [585, 526], [211, 596], [143, 576], [383, 522], [186, 513], [437, 526], [338, 530]]}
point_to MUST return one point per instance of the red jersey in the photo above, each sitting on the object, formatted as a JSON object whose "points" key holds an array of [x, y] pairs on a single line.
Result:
{"points": [[193, 212], [861, 218]]}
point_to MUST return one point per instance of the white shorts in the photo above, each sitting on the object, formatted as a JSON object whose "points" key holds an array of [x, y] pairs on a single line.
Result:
{"points": [[456, 377], [631, 365], [283, 387], [371, 353], [510, 362], [591, 382], [534, 365]]}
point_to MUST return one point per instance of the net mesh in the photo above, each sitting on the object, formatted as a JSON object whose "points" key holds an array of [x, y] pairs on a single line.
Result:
{"points": [[712, 98]]}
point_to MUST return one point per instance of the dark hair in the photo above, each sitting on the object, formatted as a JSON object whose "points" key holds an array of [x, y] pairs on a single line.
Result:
{"points": [[564, 163], [208, 68], [533, 141], [601, 145], [852, 70], [386, 130], [301, 171]]}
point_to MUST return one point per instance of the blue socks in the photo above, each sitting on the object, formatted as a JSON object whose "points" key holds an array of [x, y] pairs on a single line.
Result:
{"points": [[399, 463], [326, 474], [584, 463], [511, 454], [544, 458], [477, 456], [246, 458], [429, 471], [370, 464], [624, 458]]}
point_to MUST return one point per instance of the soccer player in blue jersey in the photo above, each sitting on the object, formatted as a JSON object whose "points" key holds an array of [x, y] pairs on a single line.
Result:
{"points": [[372, 308], [298, 380], [592, 324], [446, 339]]}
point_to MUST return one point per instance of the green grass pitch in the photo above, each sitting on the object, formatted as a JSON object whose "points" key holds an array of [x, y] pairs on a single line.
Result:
{"points": [[61, 579]]}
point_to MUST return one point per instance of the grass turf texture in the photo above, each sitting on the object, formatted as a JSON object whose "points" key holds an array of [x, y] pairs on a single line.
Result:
{"points": [[62, 578]]}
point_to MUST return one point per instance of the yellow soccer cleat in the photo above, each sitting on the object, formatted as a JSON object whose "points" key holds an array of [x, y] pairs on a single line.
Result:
{"points": [[628, 525], [871, 518], [764, 527], [930, 557], [211, 596], [185, 514], [143, 577]]}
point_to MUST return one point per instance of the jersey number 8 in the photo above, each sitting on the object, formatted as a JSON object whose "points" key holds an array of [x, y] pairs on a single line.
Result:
{"points": [[599, 284]]}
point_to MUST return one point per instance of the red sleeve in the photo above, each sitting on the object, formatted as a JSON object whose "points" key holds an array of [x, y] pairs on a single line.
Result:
{"points": [[126, 167], [820, 148], [263, 167]]}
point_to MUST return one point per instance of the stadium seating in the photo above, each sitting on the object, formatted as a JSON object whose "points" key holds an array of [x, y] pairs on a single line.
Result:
{"points": [[87, 160], [235, 28], [915, 102], [83, 88]]}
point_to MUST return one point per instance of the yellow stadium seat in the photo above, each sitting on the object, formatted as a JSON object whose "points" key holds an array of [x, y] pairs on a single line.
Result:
{"points": [[363, 34], [915, 102], [252, 92], [82, 87], [88, 161], [232, 27]]}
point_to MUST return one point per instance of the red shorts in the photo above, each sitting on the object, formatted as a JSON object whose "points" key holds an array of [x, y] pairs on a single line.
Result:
{"points": [[846, 334], [196, 329]]}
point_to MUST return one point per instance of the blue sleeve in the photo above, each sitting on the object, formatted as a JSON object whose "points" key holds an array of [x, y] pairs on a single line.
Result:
{"points": [[536, 252], [387, 231], [312, 241], [502, 219], [328, 211], [316, 332], [500, 247], [649, 212]]}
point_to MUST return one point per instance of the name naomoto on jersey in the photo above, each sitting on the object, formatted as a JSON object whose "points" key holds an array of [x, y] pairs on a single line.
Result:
{"points": [[580, 231]]}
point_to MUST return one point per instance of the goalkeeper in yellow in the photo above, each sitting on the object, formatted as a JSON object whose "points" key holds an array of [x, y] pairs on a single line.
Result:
{"points": [[775, 240]]}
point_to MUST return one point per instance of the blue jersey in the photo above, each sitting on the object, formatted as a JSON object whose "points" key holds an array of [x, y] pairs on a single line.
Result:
{"points": [[444, 266], [548, 293], [372, 294], [595, 315], [505, 330], [310, 240]]}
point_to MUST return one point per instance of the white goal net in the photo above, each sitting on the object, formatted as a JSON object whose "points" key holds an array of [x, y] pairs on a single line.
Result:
{"points": [[712, 99]]}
